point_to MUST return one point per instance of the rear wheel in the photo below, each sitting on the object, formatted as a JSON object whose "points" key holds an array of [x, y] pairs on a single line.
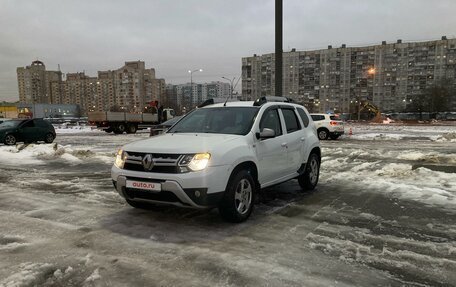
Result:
{"points": [[10, 140], [49, 138], [323, 134], [309, 179], [131, 129], [120, 129], [237, 203]]}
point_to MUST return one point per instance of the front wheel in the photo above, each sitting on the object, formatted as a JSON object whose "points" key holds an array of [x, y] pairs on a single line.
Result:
{"points": [[309, 179], [10, 140], [237, 203]]}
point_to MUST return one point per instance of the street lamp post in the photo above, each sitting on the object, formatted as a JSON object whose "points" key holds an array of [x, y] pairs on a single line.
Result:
{"points": [[231, 85], [191, 81]]}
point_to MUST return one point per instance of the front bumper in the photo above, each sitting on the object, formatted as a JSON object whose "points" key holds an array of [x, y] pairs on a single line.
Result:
{"points": [[194, 189]]}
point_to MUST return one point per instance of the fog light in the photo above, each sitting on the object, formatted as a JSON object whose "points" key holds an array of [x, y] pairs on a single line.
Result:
{"points": [[197, 193]]}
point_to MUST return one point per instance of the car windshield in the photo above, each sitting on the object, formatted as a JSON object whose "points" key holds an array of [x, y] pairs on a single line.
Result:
{"points": [[221, 120], [10, 124]]}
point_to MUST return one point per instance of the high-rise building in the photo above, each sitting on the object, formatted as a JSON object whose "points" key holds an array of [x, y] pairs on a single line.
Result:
{"points": [[37, 85], [387, 75], [129, 88], [190, 95]]}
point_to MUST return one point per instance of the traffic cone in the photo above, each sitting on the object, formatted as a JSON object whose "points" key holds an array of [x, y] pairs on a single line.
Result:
{"points": [[350, 132]]}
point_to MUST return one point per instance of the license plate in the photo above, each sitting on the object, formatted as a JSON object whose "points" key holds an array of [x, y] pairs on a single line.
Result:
{"points": [[144, 185]]}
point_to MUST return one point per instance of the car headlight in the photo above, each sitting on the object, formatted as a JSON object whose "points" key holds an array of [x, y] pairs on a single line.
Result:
{"points": [[120, 159], [195, 162]]}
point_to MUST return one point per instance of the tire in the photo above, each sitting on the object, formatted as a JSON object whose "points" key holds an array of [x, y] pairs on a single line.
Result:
{"points": [[108, 130], [323, 134], [309, 179], [10, 140], [334, 137], [49, 138], [131, 129], [237, 203], [120, 129]]}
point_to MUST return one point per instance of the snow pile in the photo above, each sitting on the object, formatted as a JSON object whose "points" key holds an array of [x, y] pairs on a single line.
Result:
{"points": [[371, 172], [31, 274], [392, 131], [447, 137], [64, 129], [10, 243], [23, 154]]}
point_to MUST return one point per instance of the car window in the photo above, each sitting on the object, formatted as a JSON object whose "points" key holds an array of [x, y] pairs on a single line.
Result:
{"points": [[28, 124], [334, 118], [271, 121], [291, 121], [304, 117], [317, 117], [40, 123]]}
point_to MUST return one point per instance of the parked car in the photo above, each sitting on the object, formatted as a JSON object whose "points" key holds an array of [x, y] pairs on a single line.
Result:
{"points": [[328, 126], [161, 128], [26, 130], [221, 155]]}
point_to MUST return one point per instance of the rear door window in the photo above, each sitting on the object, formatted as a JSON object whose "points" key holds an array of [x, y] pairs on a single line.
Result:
{"points": [[304, 117], [41, 123], [291, 121]]}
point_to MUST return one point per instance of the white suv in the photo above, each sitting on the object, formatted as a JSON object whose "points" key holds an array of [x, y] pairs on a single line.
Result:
{"points": [[328, 126], [221, 155]]}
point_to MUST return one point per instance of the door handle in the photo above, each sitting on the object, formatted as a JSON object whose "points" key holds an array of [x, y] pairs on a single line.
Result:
{"points": [[303, 139], [284, 145]]}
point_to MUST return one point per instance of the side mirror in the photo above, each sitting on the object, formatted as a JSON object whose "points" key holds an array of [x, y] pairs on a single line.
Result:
{"points": [[265, 134]]}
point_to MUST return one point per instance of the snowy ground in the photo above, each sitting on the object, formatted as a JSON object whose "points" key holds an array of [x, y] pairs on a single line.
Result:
{"points": [[381, 216]]}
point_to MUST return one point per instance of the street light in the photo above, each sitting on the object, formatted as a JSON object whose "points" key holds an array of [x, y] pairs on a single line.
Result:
{"points": [[191, 79], [231, 85]]}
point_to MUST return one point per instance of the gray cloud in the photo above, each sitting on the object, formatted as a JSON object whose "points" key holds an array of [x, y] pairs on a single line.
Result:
{"points": [[174, 36]]}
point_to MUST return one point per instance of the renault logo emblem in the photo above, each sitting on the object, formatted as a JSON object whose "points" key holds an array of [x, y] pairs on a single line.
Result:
{"points": [[148, 162]]}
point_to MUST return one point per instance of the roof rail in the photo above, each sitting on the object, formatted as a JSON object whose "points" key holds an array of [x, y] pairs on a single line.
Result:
{"points": [[264, 100]]}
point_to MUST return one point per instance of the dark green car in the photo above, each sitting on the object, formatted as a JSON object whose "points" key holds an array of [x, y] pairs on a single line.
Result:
{"points": [[27, 130]]}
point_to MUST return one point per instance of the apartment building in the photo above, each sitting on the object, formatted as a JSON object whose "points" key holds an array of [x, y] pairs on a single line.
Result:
{"points": [[129, 88], [388, 75], [37, 85], [190, 95]]}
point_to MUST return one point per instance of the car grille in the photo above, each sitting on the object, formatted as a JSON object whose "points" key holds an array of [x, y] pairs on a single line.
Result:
{"points": [[163, 163]]}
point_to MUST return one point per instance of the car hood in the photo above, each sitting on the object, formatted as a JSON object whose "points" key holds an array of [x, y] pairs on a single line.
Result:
{"points": [[181, 143]]}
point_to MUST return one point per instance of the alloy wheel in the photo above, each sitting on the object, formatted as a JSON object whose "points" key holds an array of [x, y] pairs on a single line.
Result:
{"points": [[243, 196]]}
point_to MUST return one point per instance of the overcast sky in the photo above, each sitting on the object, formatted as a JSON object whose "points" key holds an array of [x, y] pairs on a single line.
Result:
{"points": [[174, 36]]}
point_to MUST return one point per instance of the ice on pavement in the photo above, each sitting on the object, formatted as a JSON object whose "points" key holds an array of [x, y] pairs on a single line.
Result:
{"points": [[373, 221]]}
